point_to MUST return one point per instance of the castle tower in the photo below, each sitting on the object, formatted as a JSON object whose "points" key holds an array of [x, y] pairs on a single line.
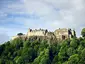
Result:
{"points": [[69, 33], [62, 34], [73, 33]]}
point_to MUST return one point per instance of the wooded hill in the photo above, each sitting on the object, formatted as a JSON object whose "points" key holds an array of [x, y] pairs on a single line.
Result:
{"points": [[34, 51]]}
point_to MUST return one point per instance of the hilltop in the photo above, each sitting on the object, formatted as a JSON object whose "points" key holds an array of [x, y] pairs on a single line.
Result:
{"points": [[38, 51]]}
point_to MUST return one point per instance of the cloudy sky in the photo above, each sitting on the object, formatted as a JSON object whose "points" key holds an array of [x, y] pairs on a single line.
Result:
{"points": [[19, 15]]}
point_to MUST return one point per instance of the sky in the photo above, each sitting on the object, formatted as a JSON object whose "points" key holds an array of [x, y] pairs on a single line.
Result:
{"points": [[19, 15]]}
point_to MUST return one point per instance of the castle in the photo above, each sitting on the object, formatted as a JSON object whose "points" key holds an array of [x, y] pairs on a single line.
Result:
{"points": [[59, 34]]}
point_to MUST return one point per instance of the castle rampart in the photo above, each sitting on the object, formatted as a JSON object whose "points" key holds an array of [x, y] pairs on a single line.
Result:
{"points": [[36, 32], [59, 34]]}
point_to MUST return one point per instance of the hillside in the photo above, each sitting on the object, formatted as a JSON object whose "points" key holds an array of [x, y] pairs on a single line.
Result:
{"points": [[36, 51]]}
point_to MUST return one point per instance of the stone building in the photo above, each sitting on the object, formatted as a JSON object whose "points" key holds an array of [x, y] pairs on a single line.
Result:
{"points": [[14, 37], [64, 33], [59, 34], [36, 32]]}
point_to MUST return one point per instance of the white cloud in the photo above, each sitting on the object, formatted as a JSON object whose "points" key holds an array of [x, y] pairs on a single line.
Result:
{"points": [[50, 14]]}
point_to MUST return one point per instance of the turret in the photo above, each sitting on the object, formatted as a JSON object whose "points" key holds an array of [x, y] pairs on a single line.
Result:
{"points": [[73, 33], [29, 30]]}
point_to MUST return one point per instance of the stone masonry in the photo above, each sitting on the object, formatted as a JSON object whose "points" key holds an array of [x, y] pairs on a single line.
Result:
{"points": [[59, 34]]}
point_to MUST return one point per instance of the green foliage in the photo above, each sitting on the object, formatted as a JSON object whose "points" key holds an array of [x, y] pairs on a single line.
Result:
{"points": [[19, 34], [74, 43], [82, 57], [37, 51], [71, 51], [83, 32], [74, 59]]}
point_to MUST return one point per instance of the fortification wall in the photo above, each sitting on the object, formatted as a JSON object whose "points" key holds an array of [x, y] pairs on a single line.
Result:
{"points": [[58, 34], [37, 33], [14, 37], [22, 36]]}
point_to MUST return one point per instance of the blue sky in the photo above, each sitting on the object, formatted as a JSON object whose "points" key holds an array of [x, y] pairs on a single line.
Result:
{"points": [[19, 15]]}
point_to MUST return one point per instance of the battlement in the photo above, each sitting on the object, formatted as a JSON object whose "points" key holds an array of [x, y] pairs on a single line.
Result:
{"points": [[40, 32], [59, 34], [30, 30]]}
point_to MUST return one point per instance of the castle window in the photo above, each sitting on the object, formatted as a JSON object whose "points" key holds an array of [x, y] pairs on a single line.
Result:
{"points": [[63, 37]]}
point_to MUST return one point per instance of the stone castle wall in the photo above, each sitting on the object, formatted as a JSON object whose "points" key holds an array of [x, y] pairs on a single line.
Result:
{"points": [[36, 32], [62, 33], [58, 34], [17, 36]]}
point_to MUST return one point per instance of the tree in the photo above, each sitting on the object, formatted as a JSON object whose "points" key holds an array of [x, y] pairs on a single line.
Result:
{"points": [[71, 51], [43, 58], [62, 56], [74, 59], [80, 48], [82, 57], [74, 43], [17, 43], [20, 60], [83, 32], [55, 60], [28, 54], [19, 34]]}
